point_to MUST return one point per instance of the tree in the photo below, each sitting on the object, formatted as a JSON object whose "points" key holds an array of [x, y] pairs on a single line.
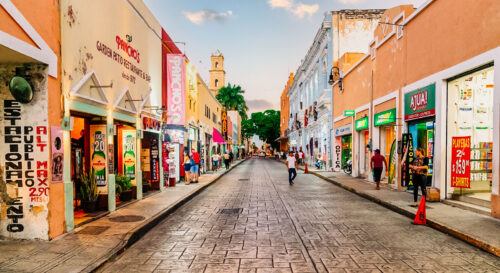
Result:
{"points": [[231, 97], [247, 128], [267, 126]]}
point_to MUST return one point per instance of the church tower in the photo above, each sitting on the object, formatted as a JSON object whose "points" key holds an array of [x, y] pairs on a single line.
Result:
{"points": [[217, 73]]}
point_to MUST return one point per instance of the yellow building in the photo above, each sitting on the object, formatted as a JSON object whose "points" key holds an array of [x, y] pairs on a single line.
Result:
{"points": [[192, 136], [217, 72]]}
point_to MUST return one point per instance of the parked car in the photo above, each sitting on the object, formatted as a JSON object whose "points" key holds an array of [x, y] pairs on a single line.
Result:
{"points": [[262, 154]]}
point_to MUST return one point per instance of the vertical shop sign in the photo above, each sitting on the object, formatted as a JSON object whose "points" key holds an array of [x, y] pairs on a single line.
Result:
{"points": [[460, 162], [406, 173], [57, 154], [224, 124], [98, 153], [129, 153], [111, 158], [392, 162], [338, 154], [176, 89], [155, 160]]}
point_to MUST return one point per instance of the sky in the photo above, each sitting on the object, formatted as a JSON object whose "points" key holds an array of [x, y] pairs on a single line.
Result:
{"points": [[263, 41]]}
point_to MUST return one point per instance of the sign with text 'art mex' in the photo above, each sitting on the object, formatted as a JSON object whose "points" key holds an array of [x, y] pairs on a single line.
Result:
{"points": [[460, 162], [420, 103], [176, 89]]}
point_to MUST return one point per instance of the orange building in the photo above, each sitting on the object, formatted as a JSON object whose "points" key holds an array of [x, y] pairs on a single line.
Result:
{"points": [[285, 114], [30, 58], [428, 82]]}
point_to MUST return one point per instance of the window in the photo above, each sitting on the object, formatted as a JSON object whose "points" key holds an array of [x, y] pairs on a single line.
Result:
{"points": [[399, 31], [373, 51], [216, 64], [214, 118], [216, 83], [300, 105]]}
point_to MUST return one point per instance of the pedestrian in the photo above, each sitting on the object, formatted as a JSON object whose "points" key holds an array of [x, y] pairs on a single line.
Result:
{"points": [[377, 163], [302, 157], [226, 160], [297, 157], [231, 156], [195, 165], [290, 163], [215, 161], [187, 168], [420, 166]]}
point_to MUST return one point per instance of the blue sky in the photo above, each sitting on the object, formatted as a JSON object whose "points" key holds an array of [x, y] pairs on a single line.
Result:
{"points": [[262, 40]]}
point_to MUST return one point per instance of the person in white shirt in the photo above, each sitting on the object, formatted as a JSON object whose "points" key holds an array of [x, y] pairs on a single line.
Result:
{"points": [[292, 173], [215, 160]]}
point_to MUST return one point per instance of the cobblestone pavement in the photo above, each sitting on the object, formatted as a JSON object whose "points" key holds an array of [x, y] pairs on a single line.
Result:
{"points": [[312, 226]]}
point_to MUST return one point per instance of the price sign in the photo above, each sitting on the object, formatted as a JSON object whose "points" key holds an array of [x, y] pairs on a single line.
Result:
{"points": [[460, 162]]}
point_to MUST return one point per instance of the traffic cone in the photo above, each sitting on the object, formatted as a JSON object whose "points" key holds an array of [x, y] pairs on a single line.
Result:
{"points": [[306, 170], [420, 217]]}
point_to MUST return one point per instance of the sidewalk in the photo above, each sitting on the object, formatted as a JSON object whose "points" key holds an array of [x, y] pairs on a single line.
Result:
{"points": [[89, 246], [474, 228]]}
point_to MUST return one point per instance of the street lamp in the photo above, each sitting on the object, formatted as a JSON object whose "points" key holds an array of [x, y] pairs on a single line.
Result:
{"points": [[334, 74]]}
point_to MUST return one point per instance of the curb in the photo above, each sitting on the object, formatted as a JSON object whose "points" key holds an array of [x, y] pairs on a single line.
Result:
{"points": [[137, 233], [431, 223]]}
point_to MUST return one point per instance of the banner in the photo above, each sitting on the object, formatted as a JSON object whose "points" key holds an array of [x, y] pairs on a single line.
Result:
{"points": [[176, 89], [98, 153], [460, 162], [155, 160], [57, 154], [129, 152], [392, 162], [406, 173]]}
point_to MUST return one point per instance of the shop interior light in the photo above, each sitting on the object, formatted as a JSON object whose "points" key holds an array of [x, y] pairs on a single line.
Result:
{"points": [[20, 87]]}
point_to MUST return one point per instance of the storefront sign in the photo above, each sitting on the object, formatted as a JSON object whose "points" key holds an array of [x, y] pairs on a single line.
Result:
{"points": [[392, 162], [385, 117], [349, 113], [176, 89], [224, 124], [98, 153], [337, 162], [343, 130], [150, 123], [57, 154], [155, 160], [420, 103], [406, 172], [129, 152], [361, 124], [111, 158], [460, 162]]}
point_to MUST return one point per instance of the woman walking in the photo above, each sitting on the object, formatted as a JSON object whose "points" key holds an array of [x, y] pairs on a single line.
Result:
{"points": [[377, 164], [420, 166], [187, 168]]}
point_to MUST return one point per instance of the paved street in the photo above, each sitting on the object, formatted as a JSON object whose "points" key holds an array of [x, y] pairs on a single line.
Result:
{"points": [[312, 226]]}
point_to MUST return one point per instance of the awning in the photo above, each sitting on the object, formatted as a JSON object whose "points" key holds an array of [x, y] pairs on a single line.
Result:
{"points": [[217, 137]]}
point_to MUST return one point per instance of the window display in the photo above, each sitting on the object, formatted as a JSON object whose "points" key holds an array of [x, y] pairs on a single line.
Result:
{"points": [[470, 113], [346, 149]]}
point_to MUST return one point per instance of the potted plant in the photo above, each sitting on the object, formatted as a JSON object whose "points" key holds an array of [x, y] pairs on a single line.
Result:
{"points": [[88, 191], [123, 185]]}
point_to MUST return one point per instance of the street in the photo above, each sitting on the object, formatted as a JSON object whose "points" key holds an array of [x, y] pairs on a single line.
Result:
{"points": [[312, 226]]}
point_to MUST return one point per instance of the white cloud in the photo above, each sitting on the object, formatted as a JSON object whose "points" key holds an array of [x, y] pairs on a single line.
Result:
{"points": [[302, 10], [280, 3], [201, 16], [299, 9], [354, 2]]}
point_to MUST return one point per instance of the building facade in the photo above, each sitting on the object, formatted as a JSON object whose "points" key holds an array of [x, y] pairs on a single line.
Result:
{"points": [[217, 72], [285, 114]]}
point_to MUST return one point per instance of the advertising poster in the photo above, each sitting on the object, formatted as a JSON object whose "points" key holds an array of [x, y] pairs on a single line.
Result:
{"points": [[155, 161], [176, 89], [392, 162], [57, 154], [98, 153], [406, 173], [129, 151], [460, 162], [111, 158]]}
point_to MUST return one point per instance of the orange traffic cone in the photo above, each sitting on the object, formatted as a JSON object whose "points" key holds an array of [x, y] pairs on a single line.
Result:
{"points": [[420, 217], [306, 170]]}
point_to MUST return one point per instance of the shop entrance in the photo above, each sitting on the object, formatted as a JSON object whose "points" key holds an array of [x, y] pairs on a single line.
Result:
{"points": [[150, 163], [422, 132], [470, 115], [346, 149], [387, 137]]}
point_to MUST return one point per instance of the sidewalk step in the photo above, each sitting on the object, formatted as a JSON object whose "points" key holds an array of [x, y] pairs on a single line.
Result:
{"points": [[468, 206]]}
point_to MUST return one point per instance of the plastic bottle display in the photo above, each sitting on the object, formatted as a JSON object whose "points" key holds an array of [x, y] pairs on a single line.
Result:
{"points": [[129, 157]]}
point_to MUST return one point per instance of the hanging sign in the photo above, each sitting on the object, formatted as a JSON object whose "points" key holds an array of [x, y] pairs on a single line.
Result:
{"points": [[129, 153], [392, 162], [420, 103], [361, 124], [57, 154], [176, 89], [98, 152], [155, 160], [385, 117], [460, 162], [224, 124]]}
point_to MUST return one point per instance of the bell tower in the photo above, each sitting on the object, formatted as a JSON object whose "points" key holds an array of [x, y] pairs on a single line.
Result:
{"points": [[217, 73]]}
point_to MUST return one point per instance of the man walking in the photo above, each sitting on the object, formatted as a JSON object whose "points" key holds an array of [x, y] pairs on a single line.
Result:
{"points": [[196, 166], [226, 160], [292, 173], [377, 163]]}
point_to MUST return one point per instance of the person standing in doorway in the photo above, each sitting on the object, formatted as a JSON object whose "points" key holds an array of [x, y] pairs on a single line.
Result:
{"points": [[420, 166], [195, 165], [377, 163], [292, 172], [187, 168]]}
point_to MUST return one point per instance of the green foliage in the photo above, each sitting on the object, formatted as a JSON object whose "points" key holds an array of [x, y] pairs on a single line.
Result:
{"points": [[247, 128], [266, 125], [123, 183], [231, 97], [88, 189]]}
